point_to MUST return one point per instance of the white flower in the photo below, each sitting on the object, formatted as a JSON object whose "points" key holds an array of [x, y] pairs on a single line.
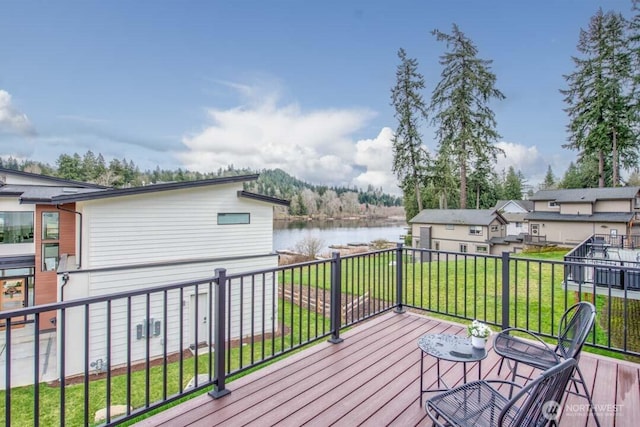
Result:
{"points": [[478, 329]]}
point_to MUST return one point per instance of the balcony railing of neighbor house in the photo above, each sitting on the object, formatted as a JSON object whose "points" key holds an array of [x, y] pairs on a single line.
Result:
{"points": [[139, 349], [608, 264]]}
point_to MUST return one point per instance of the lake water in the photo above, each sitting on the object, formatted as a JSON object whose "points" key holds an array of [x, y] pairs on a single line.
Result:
{"points": [[287, 233]]}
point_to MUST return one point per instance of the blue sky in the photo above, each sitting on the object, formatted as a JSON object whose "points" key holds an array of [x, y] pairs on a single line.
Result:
{"points": [[304, 86]]}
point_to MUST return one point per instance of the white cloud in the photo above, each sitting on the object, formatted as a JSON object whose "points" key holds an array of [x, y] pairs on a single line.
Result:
{"points": [[527, 160], [376, 156], [12, 120], [317, 146]]}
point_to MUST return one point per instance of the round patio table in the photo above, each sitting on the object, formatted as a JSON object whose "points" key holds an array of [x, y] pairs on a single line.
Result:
{"points": [[453, 348]]}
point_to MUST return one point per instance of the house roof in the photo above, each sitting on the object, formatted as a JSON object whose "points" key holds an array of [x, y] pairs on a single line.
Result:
{"points": [[527, 205], [119, 192], [263, 198], [581, 195], [457, 216], [41, 193], [621, 217], [54, 180]]}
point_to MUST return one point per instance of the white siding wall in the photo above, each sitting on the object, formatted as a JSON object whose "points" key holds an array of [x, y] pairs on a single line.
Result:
{"points": [[166, 227], [173, 225], [100, 283]]}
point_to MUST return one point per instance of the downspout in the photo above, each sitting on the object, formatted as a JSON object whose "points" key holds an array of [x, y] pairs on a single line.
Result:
{"points": [[79, 256]]}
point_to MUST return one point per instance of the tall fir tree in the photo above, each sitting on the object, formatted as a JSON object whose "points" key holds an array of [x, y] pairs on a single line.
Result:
{"points": [[466, 125], [410, 159], [599, 99]]}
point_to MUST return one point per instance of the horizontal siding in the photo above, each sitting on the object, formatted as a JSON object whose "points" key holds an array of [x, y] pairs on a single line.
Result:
{"points": [[173, 225], [101, 283]]}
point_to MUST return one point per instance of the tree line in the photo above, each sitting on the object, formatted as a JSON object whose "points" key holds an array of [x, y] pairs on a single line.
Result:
{"points": [[602, 107], [306, 199]]}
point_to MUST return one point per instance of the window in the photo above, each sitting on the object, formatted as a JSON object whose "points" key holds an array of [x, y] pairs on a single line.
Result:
{"points": [[233, 218], [495, 228], [475, 230], [50, 225], [463, 247], [16, 227], [448, 227], [50, 256], [481, 249], [518, 225], [553, 204]]}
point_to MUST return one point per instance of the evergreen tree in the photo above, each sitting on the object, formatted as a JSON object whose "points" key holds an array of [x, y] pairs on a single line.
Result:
{"points": [[69, 167], [460, 103], [599, 102], [549, 182], [513, 183], [410, 159]]}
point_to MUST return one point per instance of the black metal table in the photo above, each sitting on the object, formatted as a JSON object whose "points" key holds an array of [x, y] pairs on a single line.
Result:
{"points": [[453, 348]]}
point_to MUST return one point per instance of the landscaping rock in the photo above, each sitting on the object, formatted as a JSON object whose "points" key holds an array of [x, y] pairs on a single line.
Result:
{"points": [[114, 411]]}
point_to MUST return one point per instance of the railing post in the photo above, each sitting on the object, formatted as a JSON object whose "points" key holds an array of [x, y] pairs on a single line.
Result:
{"points": [[219, 334], [399, 298], [505, 290], [336, 298]]}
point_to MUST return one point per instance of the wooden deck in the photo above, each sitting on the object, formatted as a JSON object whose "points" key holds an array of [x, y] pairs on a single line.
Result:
{"points": [[372, 379]]}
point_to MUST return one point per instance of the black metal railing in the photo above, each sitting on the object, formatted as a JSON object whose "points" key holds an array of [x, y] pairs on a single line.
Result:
{"points": [[149, 347]]}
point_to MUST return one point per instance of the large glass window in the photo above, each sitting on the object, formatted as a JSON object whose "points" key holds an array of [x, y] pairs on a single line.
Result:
{"points": [[50, 256], [50, 225], [16, 227]]}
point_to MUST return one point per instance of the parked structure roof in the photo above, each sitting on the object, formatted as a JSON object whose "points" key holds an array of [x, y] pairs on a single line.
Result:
{"points": [[457, 216]]}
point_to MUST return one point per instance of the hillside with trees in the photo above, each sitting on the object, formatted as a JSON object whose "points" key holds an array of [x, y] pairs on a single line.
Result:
{"points": [[307, 200]]}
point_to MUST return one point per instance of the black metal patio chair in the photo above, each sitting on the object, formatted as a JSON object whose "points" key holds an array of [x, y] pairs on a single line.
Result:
{"points": [[479, 403], [574, 328]]}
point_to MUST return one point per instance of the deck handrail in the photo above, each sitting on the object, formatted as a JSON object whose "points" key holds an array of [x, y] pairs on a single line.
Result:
{"points": [[264, 314]]}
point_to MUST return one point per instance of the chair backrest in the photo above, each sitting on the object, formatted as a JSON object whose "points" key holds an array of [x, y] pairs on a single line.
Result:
{"points": [[574, 328], [537, 403]]}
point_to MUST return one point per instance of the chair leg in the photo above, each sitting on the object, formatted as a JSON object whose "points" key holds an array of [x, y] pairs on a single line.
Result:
{"points": [[514, 372], [500, 367], [587, 395]]}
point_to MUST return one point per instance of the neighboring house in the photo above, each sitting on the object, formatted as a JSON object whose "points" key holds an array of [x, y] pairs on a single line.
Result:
{"points": [[97, 241], [23, 240], [458, 230], [569, 217], [515, 212]]}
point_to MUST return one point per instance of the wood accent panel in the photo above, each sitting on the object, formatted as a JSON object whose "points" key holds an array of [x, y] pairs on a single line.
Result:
{"points": [[46, 282]]}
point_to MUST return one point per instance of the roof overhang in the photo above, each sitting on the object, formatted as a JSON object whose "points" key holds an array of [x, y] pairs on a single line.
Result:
{"points": [[263, 198], [155, 188]]}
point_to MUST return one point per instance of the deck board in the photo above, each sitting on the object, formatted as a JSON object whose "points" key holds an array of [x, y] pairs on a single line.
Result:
{"points": [[372, 379]]}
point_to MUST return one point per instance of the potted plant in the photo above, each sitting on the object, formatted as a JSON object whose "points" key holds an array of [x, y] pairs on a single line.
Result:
{"points": [[479, 332]]}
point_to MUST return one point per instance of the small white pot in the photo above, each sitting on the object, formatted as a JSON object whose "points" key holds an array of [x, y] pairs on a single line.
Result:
{"points": [[478, 342]]}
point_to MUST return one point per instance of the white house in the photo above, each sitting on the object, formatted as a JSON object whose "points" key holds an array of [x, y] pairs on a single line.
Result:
{"points": [[515, 212], [102, 241]]}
